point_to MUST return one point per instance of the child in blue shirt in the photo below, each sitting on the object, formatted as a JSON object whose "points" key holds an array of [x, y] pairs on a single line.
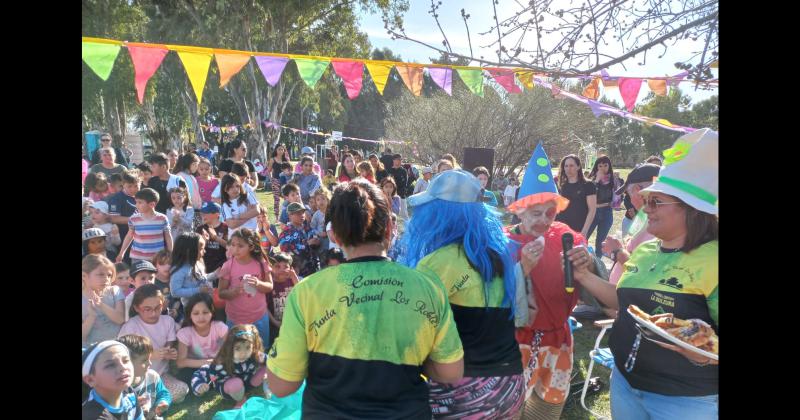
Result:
{"points": [[152, 396], [291, 194]]}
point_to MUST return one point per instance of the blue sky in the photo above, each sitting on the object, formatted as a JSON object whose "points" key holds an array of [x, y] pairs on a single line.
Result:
{"points": [[420, 25]]}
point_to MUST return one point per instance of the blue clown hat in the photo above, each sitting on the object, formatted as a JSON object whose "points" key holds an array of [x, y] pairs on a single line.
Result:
{"points": [[538, 186]]}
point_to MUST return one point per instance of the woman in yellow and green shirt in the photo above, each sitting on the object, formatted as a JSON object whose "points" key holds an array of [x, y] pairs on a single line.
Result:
{"points": [[362, 333]]}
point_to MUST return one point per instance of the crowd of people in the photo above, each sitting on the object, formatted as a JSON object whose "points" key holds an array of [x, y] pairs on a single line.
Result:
{"points": [[391, 291]]}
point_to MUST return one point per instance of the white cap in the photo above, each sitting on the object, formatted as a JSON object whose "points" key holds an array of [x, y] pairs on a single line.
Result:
{"points": [[100, 205]]}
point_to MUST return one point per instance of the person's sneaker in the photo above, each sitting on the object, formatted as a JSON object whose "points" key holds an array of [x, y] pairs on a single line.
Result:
{"points": [[587, 312]]}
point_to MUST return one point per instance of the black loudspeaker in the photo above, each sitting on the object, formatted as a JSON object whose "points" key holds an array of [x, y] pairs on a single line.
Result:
{"points": [[479, 156]]}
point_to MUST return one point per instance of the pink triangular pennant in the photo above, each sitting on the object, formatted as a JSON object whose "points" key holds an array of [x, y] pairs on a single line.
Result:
{"points": [[506, 79], [145, 63], [352, 74], [629, 89]]}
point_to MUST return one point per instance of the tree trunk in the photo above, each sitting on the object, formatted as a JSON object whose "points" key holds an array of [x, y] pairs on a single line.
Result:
{"points": [[110, 115]]}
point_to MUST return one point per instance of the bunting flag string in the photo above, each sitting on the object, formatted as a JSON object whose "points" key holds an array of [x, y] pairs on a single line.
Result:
{"points": [[599, 108], [269, 124], [100, 55]]}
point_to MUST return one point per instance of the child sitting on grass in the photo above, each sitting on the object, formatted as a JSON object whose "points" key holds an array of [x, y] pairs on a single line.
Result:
{"points": [[151, 394]]}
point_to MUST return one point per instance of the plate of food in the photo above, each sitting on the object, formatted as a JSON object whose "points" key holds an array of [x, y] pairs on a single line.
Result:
{"points": [[692, 334]]}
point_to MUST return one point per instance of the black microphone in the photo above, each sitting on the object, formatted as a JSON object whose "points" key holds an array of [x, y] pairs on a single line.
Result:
{"points": [[566, 244]]}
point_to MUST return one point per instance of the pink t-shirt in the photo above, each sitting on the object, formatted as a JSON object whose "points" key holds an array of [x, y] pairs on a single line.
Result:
{"points": [[84, 171], [160, 333], [206, 188], [203, 347], [245, 309], [616, 272]]}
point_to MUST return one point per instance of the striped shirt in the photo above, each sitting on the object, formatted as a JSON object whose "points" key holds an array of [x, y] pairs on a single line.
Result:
{"points": [[148, 235]]}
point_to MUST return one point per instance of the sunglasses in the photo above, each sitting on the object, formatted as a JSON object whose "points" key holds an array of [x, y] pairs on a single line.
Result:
{"points": [[105, 140], [652, 203]]}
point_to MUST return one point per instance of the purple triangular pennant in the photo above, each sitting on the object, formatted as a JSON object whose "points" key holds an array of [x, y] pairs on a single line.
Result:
{"points": [[443, 77], [271, 67], [598, 108], [676, 79]]}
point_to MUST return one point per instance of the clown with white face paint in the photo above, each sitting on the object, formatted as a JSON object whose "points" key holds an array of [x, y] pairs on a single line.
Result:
{"points": [[545, 342]]}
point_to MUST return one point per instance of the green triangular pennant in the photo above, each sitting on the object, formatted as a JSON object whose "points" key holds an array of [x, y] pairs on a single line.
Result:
{"points": [[473, 79], [311, 70], [100, 57]]}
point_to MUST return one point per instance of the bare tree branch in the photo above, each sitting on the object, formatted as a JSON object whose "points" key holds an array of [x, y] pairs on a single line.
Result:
{"points": [[469, 39], [585, 37], [500, 48], [435, 15]]}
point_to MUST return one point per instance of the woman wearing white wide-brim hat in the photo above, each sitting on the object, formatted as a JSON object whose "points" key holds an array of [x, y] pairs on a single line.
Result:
{"points": [[678, 272]]}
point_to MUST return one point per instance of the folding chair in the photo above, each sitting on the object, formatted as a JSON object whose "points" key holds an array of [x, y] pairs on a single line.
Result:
{"points": [[597, 355], [574, 325]]}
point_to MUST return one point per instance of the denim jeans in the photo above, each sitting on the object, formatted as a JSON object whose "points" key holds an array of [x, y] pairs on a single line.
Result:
{"points": [[603, 219], [262, 325], [630, 403]]}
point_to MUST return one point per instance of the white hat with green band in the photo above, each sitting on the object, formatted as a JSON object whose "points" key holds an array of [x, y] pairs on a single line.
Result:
{"points": [[691, 171]]}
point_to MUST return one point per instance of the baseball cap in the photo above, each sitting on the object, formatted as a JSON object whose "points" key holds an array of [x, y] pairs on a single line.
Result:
{"points": [[141, 265], [93, 233], [641, 173], [210, 207], [457, 186], [427, 170], [295, 207], [307, 150], [100, 205]]}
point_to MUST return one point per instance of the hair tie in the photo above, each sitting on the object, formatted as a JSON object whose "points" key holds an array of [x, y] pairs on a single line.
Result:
{"points": [[241, 333]]}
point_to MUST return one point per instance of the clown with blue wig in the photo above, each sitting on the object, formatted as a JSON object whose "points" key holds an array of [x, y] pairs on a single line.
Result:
{"points": [[455, 236]]}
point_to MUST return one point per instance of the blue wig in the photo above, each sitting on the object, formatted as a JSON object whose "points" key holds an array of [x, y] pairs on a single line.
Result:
{"points": [[475, 226]]}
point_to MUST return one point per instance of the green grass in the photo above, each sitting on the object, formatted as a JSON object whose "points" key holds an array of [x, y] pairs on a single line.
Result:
{"points": [[204, 408]]}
